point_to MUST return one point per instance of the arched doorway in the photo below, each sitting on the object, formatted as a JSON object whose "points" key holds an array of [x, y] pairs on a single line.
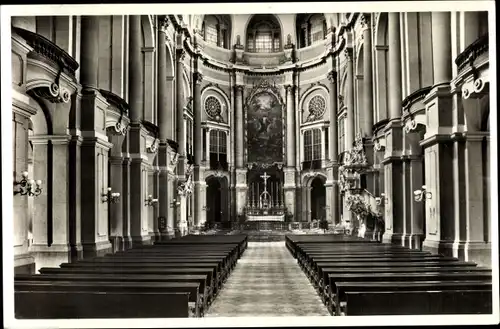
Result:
{"points": [[216, 206], [318, 199]]}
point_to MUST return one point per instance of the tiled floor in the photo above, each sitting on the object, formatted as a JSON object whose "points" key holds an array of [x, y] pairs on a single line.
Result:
{"points": [[267, 281]]}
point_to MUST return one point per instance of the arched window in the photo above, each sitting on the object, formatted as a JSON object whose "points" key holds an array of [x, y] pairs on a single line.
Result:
{"points": [[216, 30], [311, 28], [218, 149], [264, 34], [312, 149], [341, 130]]}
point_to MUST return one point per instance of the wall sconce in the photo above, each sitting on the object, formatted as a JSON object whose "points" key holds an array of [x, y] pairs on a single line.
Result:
{"points": [[380, 199], [150, 201], [28, 187], [174, 203], [205, 208], [110, 197], [422, 195]]}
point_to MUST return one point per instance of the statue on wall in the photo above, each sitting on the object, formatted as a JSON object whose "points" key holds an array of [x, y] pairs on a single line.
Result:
{"points": [[288, 39]]}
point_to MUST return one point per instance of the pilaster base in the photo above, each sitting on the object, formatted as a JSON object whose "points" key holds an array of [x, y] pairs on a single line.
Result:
{"points": [[444, 248], [121, 243], [52, 256], [477, 252], [97, 249], [154, 236], [414, 241], [24, 264], [143, 240], [165, 236]]}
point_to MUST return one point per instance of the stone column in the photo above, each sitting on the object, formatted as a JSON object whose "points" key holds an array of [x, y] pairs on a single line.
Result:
{"points": [[473, 231], [207, 143], [135, 69], [125, 199], [289, 186], [240, 126], [393, 137], [138, 165], [367, 76], [199, 213], [367, 128], [441, 47], [153, 210], [241, 172], [22, 209], [441, 226], [181, 208], [164, 125], [116, 209], [417, 217], [334, 150], [349, 89], [94, 149]]}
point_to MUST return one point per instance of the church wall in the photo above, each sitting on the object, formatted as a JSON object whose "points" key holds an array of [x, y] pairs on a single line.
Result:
{"points": [[113, 55]]}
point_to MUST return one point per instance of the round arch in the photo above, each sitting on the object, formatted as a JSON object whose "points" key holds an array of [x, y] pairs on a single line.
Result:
{"points": [[265, 17], [170, 61], [307, 180], [147, 30], [312, 90]]}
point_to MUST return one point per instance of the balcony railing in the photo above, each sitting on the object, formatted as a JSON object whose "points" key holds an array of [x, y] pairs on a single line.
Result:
{"points": [[471, 53], [49, 50], [311, 165]]}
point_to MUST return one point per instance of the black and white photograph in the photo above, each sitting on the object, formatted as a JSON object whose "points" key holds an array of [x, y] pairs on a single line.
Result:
{"points": [[240, 164]]}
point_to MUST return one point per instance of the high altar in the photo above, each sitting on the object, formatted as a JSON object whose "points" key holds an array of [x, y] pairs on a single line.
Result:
{"points": [[267, 205]]}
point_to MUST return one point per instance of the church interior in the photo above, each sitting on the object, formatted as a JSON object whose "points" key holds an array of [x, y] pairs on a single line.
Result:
{"points": [[339, 156]]}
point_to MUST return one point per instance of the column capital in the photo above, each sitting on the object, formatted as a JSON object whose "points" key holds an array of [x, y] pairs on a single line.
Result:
{"points": [[239, 87], [198, 78], [365, 21], [181, 54], [332, 76], [289, 88], [348, 53], [163, 23]]}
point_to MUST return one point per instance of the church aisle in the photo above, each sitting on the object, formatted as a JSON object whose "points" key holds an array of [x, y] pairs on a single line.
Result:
{"points": [[267, 281]]}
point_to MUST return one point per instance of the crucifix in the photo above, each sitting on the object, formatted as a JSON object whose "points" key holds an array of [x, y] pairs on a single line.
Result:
{"points": [[265, 177]]}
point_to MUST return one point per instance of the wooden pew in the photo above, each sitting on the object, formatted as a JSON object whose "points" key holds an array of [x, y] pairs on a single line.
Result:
{"points": [[324, 282], [330, 289], [215, 267], [126, 287], [315, 276], [342, 288], [418, 302], [73, 276], [96, 305], [194, 265], [209, 272]]}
